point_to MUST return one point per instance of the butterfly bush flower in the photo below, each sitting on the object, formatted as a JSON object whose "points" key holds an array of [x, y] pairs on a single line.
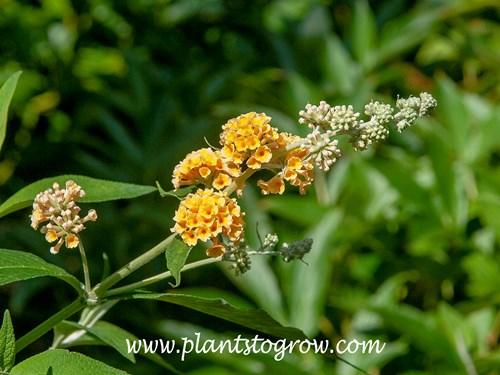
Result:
{"points": [[293, 166], [250, 144], [59, 208], [206, 167], [247, 139], [205, 215]]}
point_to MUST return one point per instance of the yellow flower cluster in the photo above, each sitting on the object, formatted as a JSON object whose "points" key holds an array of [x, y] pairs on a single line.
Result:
{"points": [[248, 138], [249, 143], [206, 214], [295, 167], [206, 167]]}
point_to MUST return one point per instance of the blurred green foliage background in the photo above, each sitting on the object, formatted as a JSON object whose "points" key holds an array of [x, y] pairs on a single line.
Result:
{"points": [[406, 234]]}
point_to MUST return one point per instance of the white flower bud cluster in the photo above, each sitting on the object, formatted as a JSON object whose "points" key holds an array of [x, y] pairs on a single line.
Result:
{"points": [[375, 129], [326, 122], [270, 240], [331, 120], [322, 149], [412, 108]]}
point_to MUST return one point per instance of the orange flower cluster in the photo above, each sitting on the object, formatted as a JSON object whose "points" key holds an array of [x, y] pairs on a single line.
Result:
{"points": [[248, 138], [206, 214], [206, 167]]}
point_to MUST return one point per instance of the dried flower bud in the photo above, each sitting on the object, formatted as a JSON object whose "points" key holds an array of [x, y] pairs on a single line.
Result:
{"points": [[296, 250]]}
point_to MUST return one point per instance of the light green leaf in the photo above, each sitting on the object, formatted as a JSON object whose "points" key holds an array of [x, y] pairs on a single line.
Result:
{"points": [[309, 282], [95, 191], [254, 319], [7, 344], [19, 265], [6, 93], [176, 254], [364, 32], [63, 362], [269, 298], [340, 71]]}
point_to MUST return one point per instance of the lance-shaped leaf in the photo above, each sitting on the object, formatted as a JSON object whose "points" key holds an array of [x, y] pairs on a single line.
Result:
{"points": [[176, 254], [95, 191], [60, 361], [6, 93], [254, 319], [18, 265], [105, 333], [7, 344]]}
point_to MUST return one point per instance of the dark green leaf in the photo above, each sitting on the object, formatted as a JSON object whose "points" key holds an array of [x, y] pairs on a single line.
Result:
{"points": [[95, 191], [176, 254], [104, 333], [6, 93], [254, 319], [63, 362], [111, 335], [19, 265], [7, 344]]}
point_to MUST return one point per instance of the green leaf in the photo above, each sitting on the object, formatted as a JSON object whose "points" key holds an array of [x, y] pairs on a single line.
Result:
{"points": [[309, 282], [6, 93], [422, 330], [63, 362], [338, 67], [364, 32], [111, 335], [402, 180], [255, 319], [305, 211], [179, 193], [95, 191], [105, 333], [7, 344], [19, 265], [176, 254], [269, 298]]}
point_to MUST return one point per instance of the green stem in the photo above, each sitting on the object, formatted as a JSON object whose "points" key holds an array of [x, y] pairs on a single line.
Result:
{"points": [[47, 325], [239, 181], [101, 288], [86, 272], [156, 278]]}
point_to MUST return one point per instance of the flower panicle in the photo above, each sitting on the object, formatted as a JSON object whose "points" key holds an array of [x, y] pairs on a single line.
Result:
{"points": [[249, 144], [58, 207]]}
